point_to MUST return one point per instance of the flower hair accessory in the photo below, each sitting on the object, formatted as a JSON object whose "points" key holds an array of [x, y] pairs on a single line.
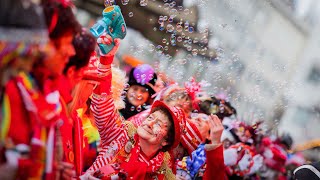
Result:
{"points": [[193, 88]]}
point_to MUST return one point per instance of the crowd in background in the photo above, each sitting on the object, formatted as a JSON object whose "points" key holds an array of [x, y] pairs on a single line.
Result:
{"points": [[67, 112]]}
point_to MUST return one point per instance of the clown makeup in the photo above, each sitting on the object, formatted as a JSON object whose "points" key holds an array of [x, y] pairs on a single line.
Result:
{"points": [[158, 126]]}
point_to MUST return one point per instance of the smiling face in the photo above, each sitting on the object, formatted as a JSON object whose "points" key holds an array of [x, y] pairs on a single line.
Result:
{"points": [[155, 129], [137, 95], [202, 123]]}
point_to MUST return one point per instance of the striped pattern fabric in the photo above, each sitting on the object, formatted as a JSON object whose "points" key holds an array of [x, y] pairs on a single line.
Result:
{"points": [[112, 130]]}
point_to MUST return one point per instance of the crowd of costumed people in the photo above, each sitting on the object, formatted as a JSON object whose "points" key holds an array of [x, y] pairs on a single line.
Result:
{"points": [[67, 112]]}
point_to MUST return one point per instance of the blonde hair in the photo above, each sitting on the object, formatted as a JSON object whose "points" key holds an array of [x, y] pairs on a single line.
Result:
{"points": [[84, 89]]}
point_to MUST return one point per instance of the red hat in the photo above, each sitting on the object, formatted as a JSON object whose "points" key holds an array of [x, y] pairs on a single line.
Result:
{"points": [[179, 120], [191, 139], [274, 155]]}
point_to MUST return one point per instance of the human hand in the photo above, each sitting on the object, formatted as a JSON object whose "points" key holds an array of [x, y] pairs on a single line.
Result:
{"points": [[107, 40], [89, 175], [67, 171], [216, 129]]}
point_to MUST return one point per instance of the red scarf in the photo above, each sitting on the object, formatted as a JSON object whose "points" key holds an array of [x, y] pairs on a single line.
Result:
{"points": [[135, 165]]}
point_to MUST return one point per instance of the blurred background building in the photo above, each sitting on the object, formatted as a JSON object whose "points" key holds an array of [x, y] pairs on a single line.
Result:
{"points": [[263, 55]]}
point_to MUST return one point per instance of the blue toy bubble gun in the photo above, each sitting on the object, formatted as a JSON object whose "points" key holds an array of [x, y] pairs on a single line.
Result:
{"points": [[113, 23]]}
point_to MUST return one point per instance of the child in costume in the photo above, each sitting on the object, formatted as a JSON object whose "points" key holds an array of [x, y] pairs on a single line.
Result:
{"points": [[141, 80]]}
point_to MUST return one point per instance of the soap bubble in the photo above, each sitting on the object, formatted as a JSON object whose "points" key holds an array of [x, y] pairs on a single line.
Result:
{"points": [[124, 2], [186, 11], [170, 28], [143, 2]]}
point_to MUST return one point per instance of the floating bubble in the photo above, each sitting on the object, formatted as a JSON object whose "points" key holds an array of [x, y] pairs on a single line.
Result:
{"points": [[130, 14], [151, 47], [166, 48], [109, 2], [186, 24], [173, 12], [179, 38], [170, 19], [159, 49], [173, 42], [126, 86], [195, 40], [164, 40], [185, 43], [166, 6], [173, 96], [191, 29], [143, 2], [139, 108], [170, 28], [183, 61], [160, 20], [124, 2], [172, 4], [186, 11], [179, 28], [161, 28], [189, 48], [123, 94], [203, 51], [194, 52]]}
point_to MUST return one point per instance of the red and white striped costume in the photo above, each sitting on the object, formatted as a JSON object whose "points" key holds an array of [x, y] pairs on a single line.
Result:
{"points": [[112, 129]]}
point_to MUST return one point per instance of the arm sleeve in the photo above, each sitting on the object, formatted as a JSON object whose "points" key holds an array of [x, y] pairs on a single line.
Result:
{"points": [[108, 121], [215, 165]]}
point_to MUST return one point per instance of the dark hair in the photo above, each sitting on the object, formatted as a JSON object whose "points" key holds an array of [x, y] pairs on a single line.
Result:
{"points": [[216, 106], [148, 85], [171, 133], [59, 19], [84, 44]]}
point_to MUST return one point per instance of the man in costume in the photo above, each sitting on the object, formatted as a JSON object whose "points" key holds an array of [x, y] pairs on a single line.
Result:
{"points": [[126, 151]]}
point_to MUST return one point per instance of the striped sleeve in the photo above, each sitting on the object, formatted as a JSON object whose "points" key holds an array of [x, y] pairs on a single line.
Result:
{"points": [[108, 121]]}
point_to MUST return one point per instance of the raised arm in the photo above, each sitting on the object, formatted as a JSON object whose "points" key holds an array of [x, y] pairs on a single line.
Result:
{"points": [[214, 151], [106, 116]]}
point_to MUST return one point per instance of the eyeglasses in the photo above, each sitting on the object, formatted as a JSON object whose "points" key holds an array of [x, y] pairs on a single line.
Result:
{"points": [[201, 116]]}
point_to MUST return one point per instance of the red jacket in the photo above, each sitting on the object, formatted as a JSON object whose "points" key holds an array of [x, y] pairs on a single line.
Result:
{"points": [[25, 125], [215, 165]]}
